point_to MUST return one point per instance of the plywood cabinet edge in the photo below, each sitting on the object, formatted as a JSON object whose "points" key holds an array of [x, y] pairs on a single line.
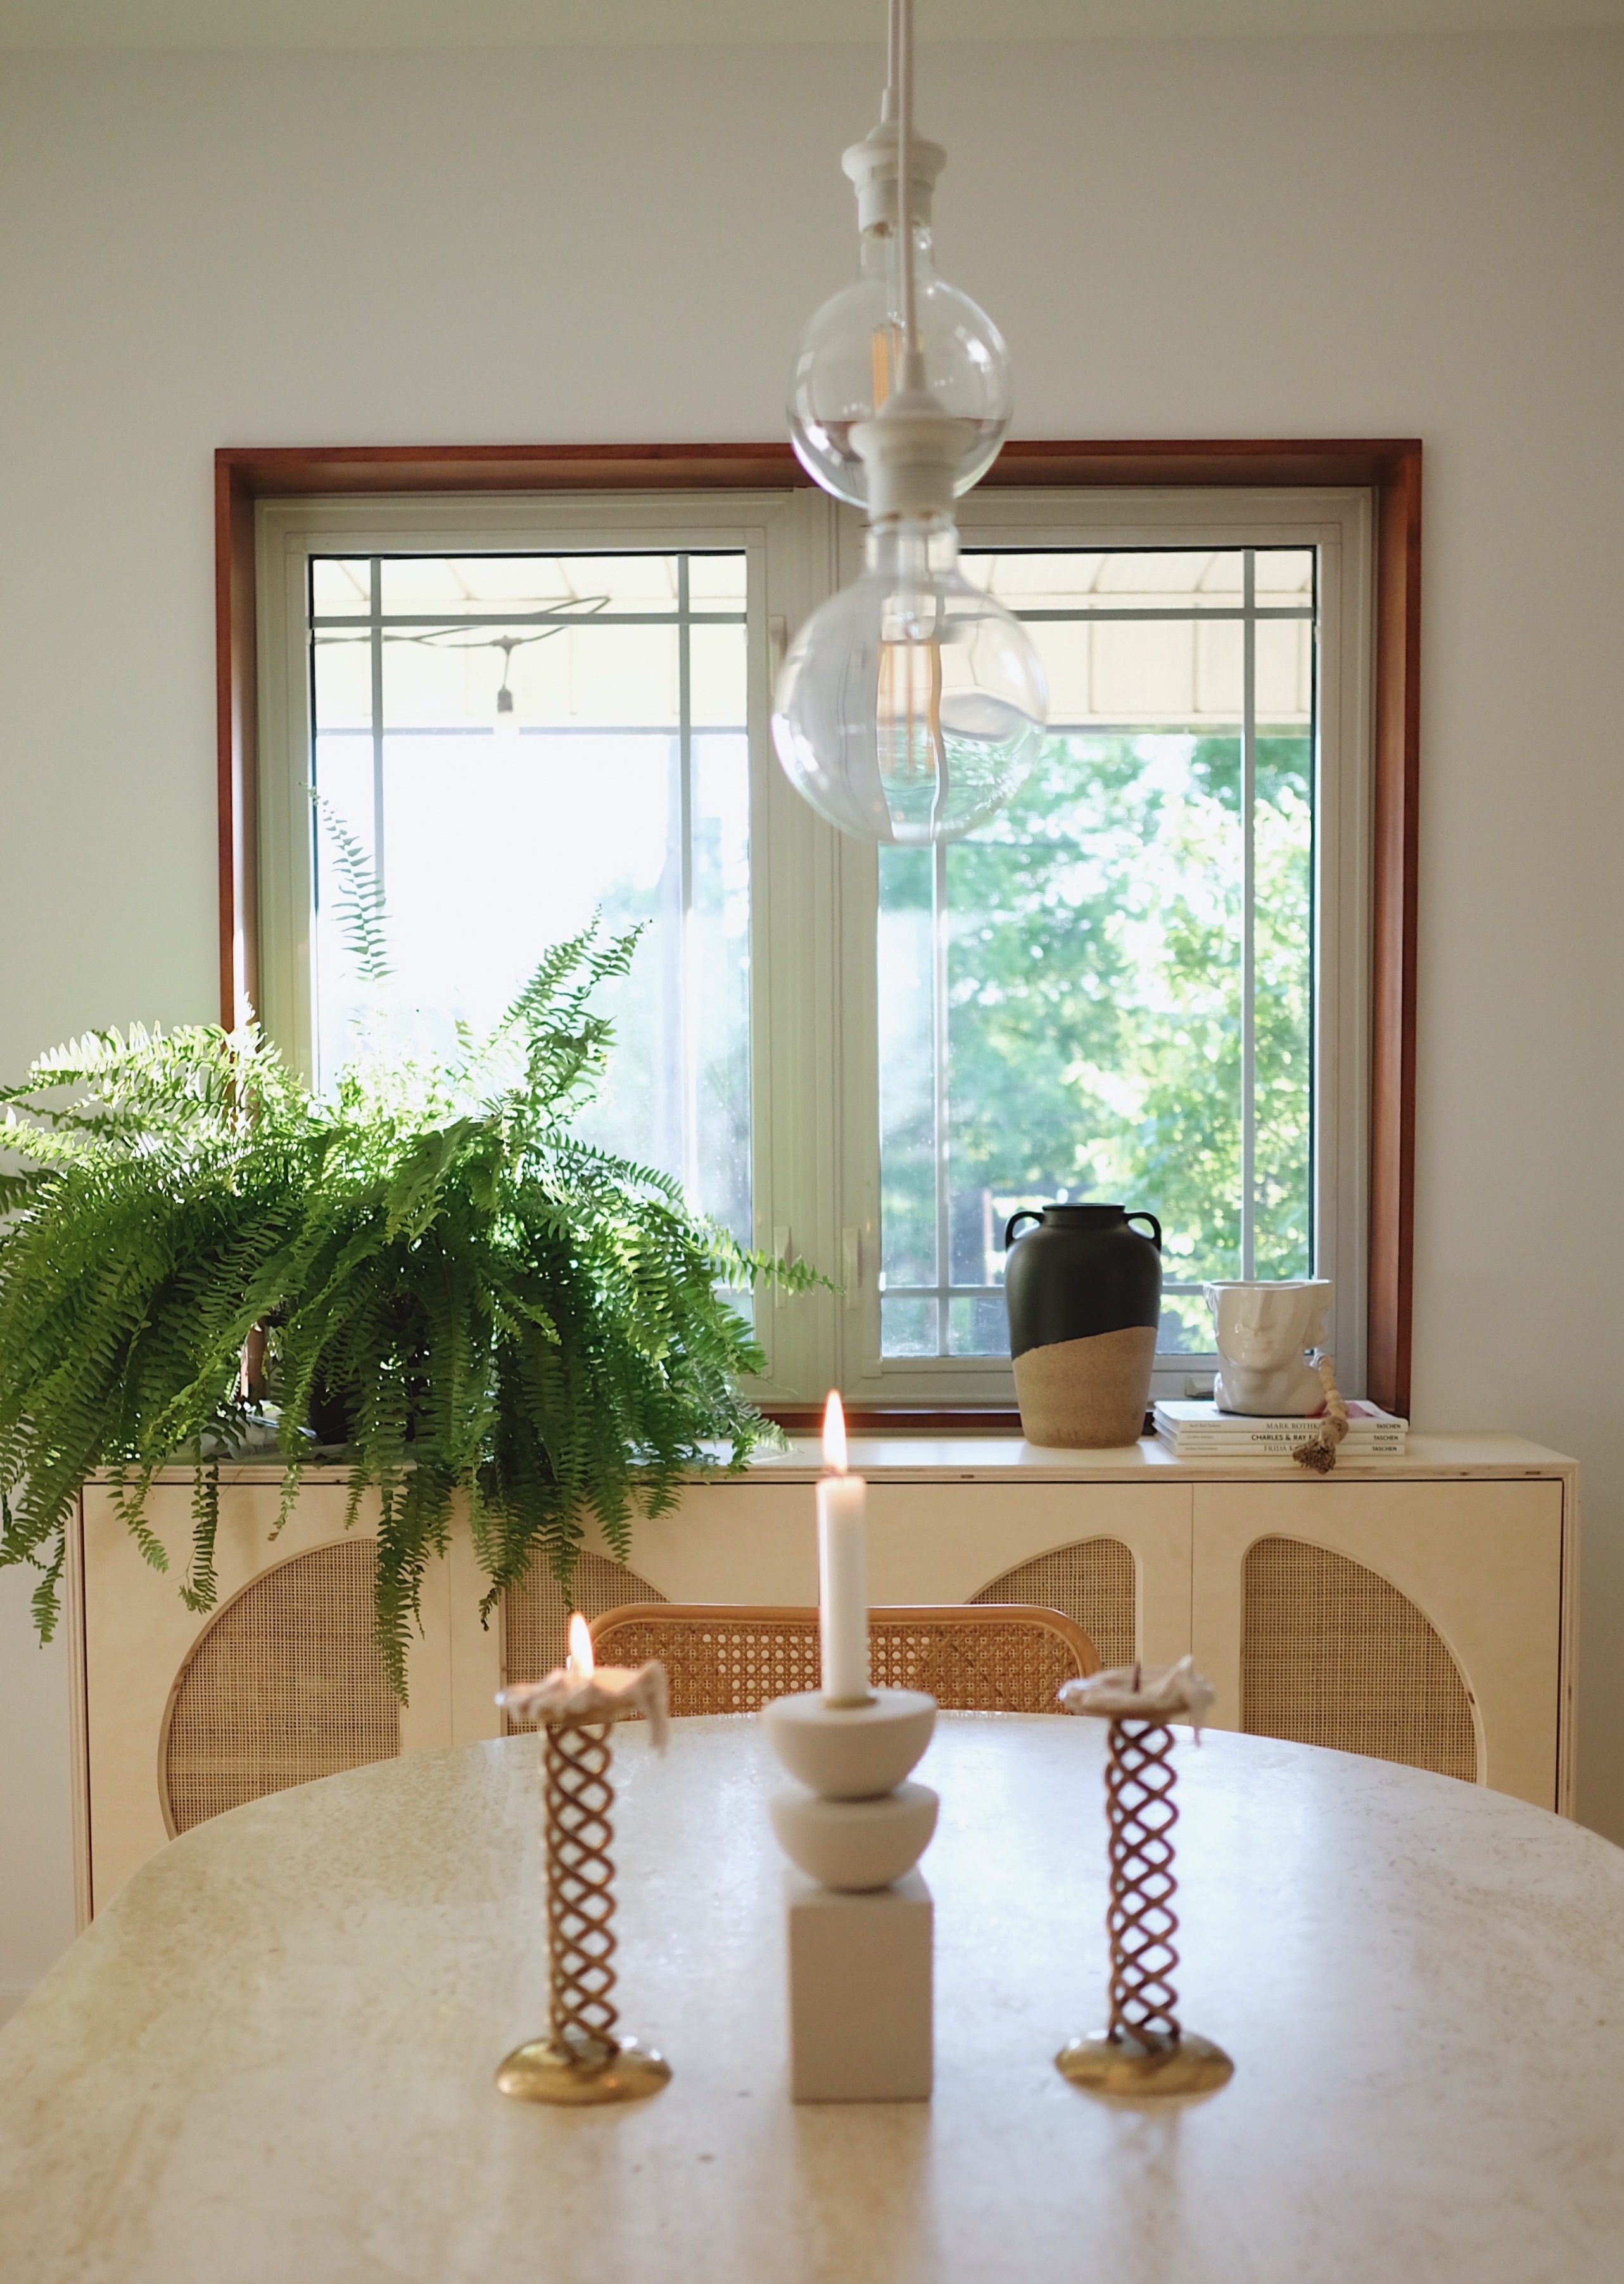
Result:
{"points": [[1567, 1696], [78, 1718]]}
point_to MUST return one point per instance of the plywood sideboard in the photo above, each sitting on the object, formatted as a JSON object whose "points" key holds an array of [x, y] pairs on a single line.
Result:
{"points": [[1419, 1609]]}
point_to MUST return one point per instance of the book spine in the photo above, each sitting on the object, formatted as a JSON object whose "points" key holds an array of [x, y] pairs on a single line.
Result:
{"points": [[1235, 1427], [1211, 1446], [1292, 1431]]}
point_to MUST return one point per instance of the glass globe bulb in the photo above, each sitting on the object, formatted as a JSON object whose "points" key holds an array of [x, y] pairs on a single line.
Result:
{"points": [[912, 705], [849, 356]]}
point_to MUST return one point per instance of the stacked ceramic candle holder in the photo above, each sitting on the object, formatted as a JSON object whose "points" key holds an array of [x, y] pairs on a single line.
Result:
{"points": [[859, 1913]]}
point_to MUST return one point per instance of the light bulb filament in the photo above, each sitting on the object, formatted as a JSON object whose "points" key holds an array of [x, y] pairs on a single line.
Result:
{"points": [[886, 351], [910, 744]]}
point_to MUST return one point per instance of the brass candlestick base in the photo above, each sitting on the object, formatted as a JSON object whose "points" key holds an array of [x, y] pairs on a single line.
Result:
{"points": [[1124, 2066], [575, 2079], [581, 2061]]}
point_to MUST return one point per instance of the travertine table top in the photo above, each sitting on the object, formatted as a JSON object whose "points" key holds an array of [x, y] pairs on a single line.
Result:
{"points": [[269, 2061]]}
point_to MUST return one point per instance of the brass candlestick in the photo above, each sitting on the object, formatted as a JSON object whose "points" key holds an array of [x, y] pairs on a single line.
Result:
{"points": [[582, 2060], [1144, 2050]]}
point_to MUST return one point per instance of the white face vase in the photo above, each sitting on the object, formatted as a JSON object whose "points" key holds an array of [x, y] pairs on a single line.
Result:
{"points": [[1264, 1331]]}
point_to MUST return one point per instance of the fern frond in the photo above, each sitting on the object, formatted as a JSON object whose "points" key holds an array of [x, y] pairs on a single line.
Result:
{"points": [[361, 906]]}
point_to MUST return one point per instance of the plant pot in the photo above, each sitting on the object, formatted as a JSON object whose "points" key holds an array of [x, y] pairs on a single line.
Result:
{"points": [[1083, 1291], [328, 1415]]}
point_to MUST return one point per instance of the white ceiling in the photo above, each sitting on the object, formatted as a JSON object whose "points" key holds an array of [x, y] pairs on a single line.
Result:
{"points": [[544, 23]]}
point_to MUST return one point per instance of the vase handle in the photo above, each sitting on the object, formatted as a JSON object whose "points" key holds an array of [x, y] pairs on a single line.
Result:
{"points": [[1155, 1224], [1027, 1213]]}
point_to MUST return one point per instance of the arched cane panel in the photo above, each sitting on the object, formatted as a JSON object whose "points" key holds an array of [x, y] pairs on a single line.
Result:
{"points": [[285, 1684], [1092, 1582], [535, 1616], [1332, 1653]]}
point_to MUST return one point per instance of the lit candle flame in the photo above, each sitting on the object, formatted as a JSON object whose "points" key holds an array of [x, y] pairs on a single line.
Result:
{"points": [[834, 1434], [580, 1648]]}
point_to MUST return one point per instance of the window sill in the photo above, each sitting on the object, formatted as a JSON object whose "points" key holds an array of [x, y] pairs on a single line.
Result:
{"points": [[960, 1458]]}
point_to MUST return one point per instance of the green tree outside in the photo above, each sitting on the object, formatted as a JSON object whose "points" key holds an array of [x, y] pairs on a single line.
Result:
{"points": [[1094, 1012]]}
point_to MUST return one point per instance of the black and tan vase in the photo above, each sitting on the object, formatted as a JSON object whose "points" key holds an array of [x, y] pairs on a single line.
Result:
{"points": [[1084, 1295]]}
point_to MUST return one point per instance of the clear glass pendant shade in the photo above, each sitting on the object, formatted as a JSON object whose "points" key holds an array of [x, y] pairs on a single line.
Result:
{"points": [[848, 359], [911, 705]]}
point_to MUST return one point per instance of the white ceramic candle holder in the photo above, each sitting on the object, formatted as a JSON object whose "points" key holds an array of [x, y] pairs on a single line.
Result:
{"points": [[860, 1916]]}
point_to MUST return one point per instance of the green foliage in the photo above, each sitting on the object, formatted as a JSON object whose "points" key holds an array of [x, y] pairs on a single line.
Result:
{"points": [[501, 1311]]}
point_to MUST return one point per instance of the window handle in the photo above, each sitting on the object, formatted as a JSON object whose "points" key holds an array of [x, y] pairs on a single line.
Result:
{"points": [[781, 1246], [851, 1264], [778, 646]]}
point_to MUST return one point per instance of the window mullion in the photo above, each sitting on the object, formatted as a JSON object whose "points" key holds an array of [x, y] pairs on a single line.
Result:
{"points": [[375, 642], [1248, 939], [688, 1042], [939, 1085]]}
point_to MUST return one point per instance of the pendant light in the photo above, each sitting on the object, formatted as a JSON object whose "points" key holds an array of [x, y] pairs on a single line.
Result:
{"points": [[911, 705], [848, 362]]}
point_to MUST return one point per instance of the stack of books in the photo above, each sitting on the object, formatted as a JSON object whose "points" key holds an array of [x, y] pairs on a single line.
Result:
{"points": [[1198, 1430]]}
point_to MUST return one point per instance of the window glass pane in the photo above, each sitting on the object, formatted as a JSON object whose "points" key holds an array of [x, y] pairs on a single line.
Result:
{"points": [[1283, 575], [1283, 825], [1285, 671], [907, 1328], [716, 582], [521, 742], [469, 586], [1113, 579], [1086, 954], [907, 1078], [343, 683], [341, 587]]}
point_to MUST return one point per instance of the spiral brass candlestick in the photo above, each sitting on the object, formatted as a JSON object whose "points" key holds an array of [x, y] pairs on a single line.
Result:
{"points": [[1144, 2050], [580, 2059]]}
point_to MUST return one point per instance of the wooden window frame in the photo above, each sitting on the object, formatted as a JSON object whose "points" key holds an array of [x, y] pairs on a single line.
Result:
{"points": [[1390, 467]]}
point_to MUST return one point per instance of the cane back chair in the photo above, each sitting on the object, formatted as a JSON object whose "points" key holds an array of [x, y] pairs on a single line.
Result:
{"points": [[726, 1657]]}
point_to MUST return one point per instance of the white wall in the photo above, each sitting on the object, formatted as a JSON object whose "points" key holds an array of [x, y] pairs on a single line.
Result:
{"points": [[1257, 238]]}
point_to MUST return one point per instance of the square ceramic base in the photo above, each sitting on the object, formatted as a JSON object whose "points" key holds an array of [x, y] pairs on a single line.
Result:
{"points": [[859, 1991]]}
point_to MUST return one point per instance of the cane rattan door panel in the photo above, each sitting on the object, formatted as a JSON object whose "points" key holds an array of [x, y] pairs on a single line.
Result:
{"points": [[535, 1616], [1412, 1620], [285, 1685], [1331, 1654], [1092, 1582]]}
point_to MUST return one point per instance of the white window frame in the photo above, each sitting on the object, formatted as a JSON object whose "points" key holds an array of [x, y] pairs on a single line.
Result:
{"points": [[814, 895]]}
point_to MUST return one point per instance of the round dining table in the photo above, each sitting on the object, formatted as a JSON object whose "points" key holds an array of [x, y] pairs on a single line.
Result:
{"points": [[271, 2060]]}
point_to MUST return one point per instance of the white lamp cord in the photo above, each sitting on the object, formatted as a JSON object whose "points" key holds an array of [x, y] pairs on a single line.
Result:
{"points": [[913, 370]]}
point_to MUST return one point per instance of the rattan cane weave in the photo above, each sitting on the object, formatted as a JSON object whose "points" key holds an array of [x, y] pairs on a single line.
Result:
{"points": [[1092, 1582], [720, 1658], [1331, 1654], [535, 1616], [285, 1684]]}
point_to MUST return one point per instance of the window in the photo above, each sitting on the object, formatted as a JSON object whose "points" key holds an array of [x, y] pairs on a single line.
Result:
{"points": [[1149, 978]]}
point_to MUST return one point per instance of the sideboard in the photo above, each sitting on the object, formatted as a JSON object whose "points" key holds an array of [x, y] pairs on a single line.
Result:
{"points": [[1420, 1609]]}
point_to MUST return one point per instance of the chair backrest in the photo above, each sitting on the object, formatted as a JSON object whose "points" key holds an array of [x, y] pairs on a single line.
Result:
{"points": [[726, 1657]]}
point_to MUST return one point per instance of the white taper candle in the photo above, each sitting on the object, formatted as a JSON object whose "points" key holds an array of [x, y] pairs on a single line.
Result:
{"points": [[842, 1569]]}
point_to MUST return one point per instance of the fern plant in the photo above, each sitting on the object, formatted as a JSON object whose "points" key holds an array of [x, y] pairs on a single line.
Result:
{"points": [[505, 1312]]}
